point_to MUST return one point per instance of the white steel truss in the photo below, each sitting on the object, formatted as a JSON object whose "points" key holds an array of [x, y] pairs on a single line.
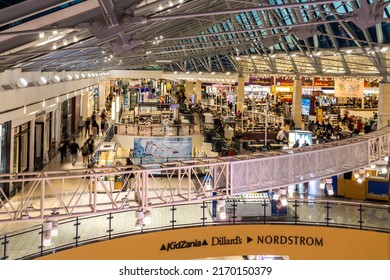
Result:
{"points": [[75, 192]]}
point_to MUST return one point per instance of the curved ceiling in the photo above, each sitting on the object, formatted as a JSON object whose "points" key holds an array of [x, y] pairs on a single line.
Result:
{"points": [[285, 37]]}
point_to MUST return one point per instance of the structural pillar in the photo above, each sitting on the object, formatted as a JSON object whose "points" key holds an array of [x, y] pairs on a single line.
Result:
{"points": [[297, 104], [189, 89], [240, 94], [383, 105], [198, 90]]}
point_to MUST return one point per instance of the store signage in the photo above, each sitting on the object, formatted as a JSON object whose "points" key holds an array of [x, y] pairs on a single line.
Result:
{"points": [[297, 240], [284, 82], [307, 82], [262, 81], [321, 82], [349, 88], [371, 84]]}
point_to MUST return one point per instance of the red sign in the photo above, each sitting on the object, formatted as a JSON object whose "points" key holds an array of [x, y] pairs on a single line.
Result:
{"points": [[261, 81], [284, 82], [371, 84], [321, 82]]}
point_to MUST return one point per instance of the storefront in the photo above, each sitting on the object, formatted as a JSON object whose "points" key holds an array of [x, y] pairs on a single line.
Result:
{"points": [[21, 148], [5, 143]]}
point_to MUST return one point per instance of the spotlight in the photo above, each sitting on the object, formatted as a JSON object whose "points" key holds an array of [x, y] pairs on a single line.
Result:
{"points": [[139, 215], [46, 231], [147, 217]]}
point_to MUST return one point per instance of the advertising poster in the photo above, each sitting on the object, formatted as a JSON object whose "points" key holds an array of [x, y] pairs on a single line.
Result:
{"points": [[349, 88], [150, 149]]}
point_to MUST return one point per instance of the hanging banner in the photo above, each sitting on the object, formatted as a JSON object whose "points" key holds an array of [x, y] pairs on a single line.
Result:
{"points": [[349, 88]]}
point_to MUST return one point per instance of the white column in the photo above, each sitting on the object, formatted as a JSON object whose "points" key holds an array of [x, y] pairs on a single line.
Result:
{"points": [[383, 105], [189, 90], [240, 94], [198, 90], [297, 103]]}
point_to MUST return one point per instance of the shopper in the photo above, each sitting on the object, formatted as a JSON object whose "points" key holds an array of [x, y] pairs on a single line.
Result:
{"points": [[90, 142], [87, 125], [103, 126], [95, 129], [63, 149], [74, 148], [85, 153]]}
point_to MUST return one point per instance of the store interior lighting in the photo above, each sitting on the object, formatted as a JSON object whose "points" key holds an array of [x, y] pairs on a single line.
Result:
{"points": [[221, 207], [283, 196], [21, 83]]}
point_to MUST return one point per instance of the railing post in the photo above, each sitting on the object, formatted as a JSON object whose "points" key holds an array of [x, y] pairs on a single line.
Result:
{"points": [[173, 216], [41, 247], [296, 211], [76, 238], [234, 211], [265, 210], [110, 217], [327, 213], [4, 243], [361, 210], [204, 206]]}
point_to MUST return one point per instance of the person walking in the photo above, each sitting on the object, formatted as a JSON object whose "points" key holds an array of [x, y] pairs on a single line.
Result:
{"points": [[87, 125], [63, 150], [95, 129], [90, 142], [74, 148]]}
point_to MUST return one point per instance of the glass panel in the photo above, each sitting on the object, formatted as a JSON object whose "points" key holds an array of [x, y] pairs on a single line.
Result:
{"points": [[65, 234], [16, 155], [160, 218], [92, 228], [24, 152], [344, 215], [23, 244], [190, 214], [376, 218], [309, 212]]}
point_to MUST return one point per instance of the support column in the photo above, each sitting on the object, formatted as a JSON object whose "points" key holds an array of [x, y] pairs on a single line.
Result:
{"points": [[240, 94], [383, 105], [198, 91], [297, 104], [189, 89]]}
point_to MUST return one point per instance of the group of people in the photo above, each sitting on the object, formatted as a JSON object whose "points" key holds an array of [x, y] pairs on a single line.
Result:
{"points": [[74, 148], [90, 124]]}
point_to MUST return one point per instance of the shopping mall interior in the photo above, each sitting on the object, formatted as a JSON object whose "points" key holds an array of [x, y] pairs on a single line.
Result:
{"points": [[183, 129]]}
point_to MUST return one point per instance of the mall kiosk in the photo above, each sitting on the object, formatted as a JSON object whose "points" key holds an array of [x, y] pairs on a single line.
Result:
{"points": [[105, 156]]}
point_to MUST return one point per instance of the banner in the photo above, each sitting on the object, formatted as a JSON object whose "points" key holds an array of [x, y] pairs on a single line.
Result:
{"points": [[349, 88]]}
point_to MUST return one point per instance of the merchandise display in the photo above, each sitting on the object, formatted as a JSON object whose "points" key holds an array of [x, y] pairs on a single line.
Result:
{"points": [[106, 157], [250, 205]]}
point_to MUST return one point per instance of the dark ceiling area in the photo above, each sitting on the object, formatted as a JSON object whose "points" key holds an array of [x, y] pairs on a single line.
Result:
{"points": [[281, 37]]}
